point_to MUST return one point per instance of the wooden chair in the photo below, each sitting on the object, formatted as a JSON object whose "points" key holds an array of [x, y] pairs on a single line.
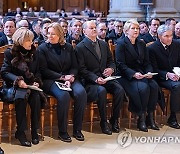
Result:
{"points": [[112, 48]]}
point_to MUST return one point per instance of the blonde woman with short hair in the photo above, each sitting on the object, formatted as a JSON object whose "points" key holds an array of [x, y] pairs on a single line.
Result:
{"points": [[20, 69]]}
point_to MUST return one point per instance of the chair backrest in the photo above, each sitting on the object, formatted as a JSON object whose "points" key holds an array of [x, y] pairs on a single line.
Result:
{"points": [[2, 49], [73, 43], [112, 48]]}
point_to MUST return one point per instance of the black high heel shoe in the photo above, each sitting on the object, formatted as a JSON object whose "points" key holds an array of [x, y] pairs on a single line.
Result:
{"points": [[21, 136]]}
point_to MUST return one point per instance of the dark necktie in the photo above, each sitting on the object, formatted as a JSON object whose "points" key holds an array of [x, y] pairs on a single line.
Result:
{"points": [[10, 41], [97, 49], [167, 49], [154, 38]]}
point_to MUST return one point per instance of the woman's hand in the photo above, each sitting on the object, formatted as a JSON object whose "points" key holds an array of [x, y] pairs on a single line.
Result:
{"points": [[68, 84], [36, 84], [22, 84], [69, 78], [148, 75], [100, 80], [138, 75]]}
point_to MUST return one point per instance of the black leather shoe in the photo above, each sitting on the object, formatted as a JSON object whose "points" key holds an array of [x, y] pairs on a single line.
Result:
{"points": [[115, 125], [173, 124], [150, 122], [141, 125], [1, 151], [64, 136], [21, 136], [35, 137], [77, 134], [105, 128]]}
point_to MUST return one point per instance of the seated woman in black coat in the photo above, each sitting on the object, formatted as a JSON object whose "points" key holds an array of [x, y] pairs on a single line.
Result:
{"points": [[133, 63], [58, 63], [20, 69]]}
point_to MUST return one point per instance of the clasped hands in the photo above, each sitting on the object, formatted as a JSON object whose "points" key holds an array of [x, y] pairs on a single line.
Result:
{"points": [[68, 79], [107, 72], [173, 76], [138, 76]]}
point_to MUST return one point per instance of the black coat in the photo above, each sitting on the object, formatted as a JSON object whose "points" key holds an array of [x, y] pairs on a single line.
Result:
{"points": [[90, 66], [11, 72], [3, 40], [53, 66], [163, 61], [128, 61], [147, 38]]}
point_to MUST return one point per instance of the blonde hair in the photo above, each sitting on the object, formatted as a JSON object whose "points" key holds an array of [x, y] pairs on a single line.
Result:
{"points": [[59, 31], [128, 24], [21, 35]]}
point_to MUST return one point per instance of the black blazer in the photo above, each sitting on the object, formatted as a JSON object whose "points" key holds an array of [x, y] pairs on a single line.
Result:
{"points": [[161, 60], [53, 66], [90, 66], [147, 38], [128, 61], [3, 40]]}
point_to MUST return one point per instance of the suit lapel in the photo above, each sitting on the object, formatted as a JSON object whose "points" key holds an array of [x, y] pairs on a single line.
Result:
{"points": [[90, 47], [130, 48], [59, 59], [162, 48]]}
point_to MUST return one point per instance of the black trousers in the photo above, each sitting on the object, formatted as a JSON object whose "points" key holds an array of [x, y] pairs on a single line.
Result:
{"points": [[20, 107], [63, 98], [174, 87], [143, 94], [98, 93]]}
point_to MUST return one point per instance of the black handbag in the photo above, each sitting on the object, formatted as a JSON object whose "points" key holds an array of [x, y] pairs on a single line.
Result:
{"points": [[11, 94]]}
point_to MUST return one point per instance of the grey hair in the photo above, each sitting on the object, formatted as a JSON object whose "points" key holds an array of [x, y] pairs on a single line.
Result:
{"points": [[163, 28], [86, 23]]}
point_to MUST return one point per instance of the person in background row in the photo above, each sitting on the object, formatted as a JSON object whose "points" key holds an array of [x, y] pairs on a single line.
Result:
{"points": [[164, 56], [132, 60], [43, 29], [177, 31], [22, 23], [152, 35], [143, 29], [117, 32], [95, 64], [9, 29], [31, 13], [171, 22], [64, 25], [101, 31], [75, 32], [59, 63], [20, 69]]}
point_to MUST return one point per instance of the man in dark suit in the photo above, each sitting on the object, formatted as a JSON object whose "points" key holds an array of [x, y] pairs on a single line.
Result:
{"points": [[151, 36], [95, 63], [9, 29], [164, 55]]}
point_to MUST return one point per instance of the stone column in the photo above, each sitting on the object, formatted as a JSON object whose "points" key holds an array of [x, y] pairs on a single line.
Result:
{"points": [[125, 9], [1, 7], [164, 9]]}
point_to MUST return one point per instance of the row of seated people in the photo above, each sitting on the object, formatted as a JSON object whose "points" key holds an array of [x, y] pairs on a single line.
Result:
{"points": [[90, 63]]}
